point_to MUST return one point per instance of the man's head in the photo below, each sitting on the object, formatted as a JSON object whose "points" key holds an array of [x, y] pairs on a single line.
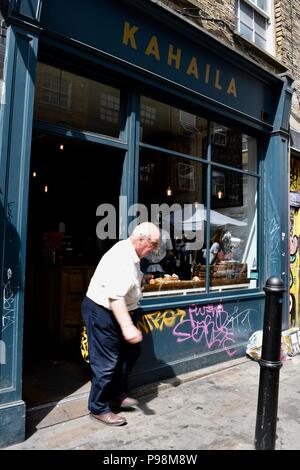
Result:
{"points": [[145, 238]]}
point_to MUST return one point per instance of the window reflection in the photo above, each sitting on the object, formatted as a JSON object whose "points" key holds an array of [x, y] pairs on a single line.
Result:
{"points": [[231, 147], [165, 126], [180, 215], [233, 228], [184, 263], [75, 101]]}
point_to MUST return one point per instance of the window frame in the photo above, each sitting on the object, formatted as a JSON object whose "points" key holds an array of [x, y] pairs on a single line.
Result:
{"points": [[130, 142], [210, 165], [267, 16]]}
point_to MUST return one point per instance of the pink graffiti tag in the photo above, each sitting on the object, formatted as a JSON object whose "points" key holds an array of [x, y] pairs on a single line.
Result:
{"points": [[208, 323]]}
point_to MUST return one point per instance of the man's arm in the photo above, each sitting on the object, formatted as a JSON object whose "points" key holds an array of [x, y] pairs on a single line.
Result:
{"points": [[130, 332]]}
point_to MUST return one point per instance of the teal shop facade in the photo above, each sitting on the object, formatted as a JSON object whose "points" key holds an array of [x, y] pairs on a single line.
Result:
{"points": [[151, 64]]}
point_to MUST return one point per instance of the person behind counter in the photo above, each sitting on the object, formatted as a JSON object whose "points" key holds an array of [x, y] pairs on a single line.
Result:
{"points": [[221, 248], [108, 311], [156, 262]]}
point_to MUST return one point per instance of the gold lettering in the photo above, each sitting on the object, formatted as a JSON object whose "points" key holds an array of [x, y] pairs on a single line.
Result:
{"points": [[128, 35], [152, 48], [193, 68], [217, 80], [174, 56], [207, 73], [232, 88]]}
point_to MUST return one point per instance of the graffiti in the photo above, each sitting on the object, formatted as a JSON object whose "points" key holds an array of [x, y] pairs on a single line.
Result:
{"points": [[274, 239], [294, 267], [213, 325], [294, 241], [293, 180], [8, 317], [294, 175], [292, 309], [8, 303], [293, 247], [210, 324], [159, 320]]}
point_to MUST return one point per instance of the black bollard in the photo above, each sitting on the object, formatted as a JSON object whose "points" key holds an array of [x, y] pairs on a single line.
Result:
{"points": [[270, 364]]}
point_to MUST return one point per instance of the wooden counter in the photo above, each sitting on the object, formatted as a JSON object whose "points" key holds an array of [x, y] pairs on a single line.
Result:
{"points": [[225, 273]]}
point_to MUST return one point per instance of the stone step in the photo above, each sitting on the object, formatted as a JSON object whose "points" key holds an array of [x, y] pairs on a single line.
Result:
{"points": [[49, 414]]}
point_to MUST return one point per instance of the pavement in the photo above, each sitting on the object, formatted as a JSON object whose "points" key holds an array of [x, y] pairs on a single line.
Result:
{"points": [[209, 409]]}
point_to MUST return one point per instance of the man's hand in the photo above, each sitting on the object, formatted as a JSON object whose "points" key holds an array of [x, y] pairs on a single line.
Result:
{"points": [[131, 334]]}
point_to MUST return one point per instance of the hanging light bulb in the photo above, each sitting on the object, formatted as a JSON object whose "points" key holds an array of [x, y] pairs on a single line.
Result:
{"points": [[34, 174], [61, 147], [220, 194], [169, 191], [46, 189]]}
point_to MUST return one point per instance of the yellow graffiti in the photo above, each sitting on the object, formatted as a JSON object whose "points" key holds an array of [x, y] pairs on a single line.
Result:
{"points": [[295, 175], [158, 320], [294, 267], [294, 244]]}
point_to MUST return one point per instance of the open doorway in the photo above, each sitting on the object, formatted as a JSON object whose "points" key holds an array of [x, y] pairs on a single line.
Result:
{"points": [[69, 179]]}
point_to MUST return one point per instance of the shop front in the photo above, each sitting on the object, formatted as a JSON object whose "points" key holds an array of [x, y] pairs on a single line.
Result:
{"points": [[119, 112]]}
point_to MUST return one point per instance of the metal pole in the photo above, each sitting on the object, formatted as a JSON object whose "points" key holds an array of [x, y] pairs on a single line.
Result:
{"points": [[270, 364]]}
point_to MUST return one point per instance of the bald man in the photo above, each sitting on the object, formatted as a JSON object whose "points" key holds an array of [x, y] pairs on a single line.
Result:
{"points": [[109, 312]]}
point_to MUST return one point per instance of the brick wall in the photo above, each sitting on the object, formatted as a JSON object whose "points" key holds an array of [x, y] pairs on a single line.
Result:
{"points": [[221, 23], [287, 16]]}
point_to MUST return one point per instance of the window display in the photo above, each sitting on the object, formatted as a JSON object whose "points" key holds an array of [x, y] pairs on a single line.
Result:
{"points": [[206, 244]]}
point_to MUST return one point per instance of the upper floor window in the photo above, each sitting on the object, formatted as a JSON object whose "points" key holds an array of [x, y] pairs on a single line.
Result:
{"points": [[254, 21]]}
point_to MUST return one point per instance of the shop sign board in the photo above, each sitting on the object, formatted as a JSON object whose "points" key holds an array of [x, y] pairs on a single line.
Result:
{"points": [[188, 58]]}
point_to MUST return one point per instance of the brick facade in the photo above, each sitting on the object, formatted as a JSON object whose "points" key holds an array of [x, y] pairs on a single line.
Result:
{"points": [[218, 18], [220, 22], [287, 16]]}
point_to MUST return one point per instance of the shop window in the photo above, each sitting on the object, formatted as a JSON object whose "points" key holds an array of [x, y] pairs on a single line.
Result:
{"points": [[233, 230], [78, 102], [173, 189], [56, 89], [148, 115], [163, 125], [254, 22], [177, 205], [109, 108], [231, 147]]}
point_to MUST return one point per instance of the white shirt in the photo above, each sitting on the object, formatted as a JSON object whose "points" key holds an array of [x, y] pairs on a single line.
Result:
{"points": [[214, 249], [117, 276], [159, 254]]}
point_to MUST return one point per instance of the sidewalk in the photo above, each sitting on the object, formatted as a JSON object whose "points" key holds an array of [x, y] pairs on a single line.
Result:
{"points": [[210, 409]]}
